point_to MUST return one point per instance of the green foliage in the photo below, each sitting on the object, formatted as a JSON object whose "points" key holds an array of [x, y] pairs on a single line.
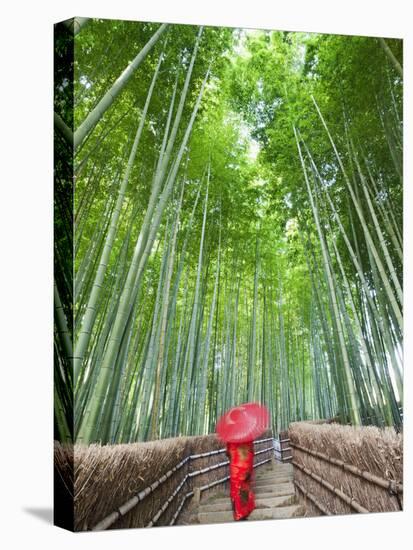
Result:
{"points": [[258, 296]]}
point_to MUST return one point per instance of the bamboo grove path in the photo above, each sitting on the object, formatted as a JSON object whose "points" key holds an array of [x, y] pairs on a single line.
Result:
{"points": [[292, 478], [275, 498]]}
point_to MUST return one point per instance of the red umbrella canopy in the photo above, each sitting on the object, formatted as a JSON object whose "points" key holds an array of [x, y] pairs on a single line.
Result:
{"points": [[243, 423]]}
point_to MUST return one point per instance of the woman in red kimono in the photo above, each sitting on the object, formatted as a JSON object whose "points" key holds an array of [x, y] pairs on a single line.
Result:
{"points": [[241, 456], [238, 427]]}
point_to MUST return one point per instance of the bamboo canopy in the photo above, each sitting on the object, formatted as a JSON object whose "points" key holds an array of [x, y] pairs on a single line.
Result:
{"points": [[237, 201]]}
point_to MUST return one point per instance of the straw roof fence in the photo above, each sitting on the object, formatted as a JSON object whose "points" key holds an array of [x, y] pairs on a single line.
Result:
{"points": [[345, 469], [107, 477], [63, 512]]}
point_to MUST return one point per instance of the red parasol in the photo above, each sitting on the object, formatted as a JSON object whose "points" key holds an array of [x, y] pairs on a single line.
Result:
{"points": [[243, 423]]}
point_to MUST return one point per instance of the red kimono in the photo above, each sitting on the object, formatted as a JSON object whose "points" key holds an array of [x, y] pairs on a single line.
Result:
{"points": [[241, 457]]}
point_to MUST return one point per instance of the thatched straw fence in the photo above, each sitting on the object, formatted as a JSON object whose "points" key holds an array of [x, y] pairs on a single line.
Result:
{"points": [[344, 469], [63, 511], [144, 484]]}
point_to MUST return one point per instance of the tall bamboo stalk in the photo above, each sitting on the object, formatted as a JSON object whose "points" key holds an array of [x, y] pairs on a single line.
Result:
{"points": [[94, 116]]}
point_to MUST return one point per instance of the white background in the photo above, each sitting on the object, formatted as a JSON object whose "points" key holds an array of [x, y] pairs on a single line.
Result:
{"points": [[26, 272]]}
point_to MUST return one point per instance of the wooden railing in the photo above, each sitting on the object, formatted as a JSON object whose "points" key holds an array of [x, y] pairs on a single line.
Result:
{"points": [[392, 486], [393, 489], [178, 497], [282, 447]]}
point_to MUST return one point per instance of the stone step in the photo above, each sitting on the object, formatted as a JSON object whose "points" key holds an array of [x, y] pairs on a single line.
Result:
{"points": [[285, 468], [276, 469], [259, 484], [272, 472], [269, 465], [268, 473], [283, 512], [276, 493], [269, 486], [274, 477], [223, 505], [285, 489]]}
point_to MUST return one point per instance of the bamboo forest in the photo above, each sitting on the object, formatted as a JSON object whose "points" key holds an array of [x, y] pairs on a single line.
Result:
{"points": [[235, 231]]}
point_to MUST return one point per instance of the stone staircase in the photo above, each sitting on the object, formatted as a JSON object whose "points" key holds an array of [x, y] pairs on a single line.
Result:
{"points": [[274, 498]]}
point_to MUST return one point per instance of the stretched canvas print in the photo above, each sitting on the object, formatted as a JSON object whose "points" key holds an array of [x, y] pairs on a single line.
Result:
{"points": [[228, 274]]}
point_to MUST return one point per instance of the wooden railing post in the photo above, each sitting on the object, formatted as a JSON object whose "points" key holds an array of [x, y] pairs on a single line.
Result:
{"points": [[282, 449], [197, 495], [273, 462]]}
